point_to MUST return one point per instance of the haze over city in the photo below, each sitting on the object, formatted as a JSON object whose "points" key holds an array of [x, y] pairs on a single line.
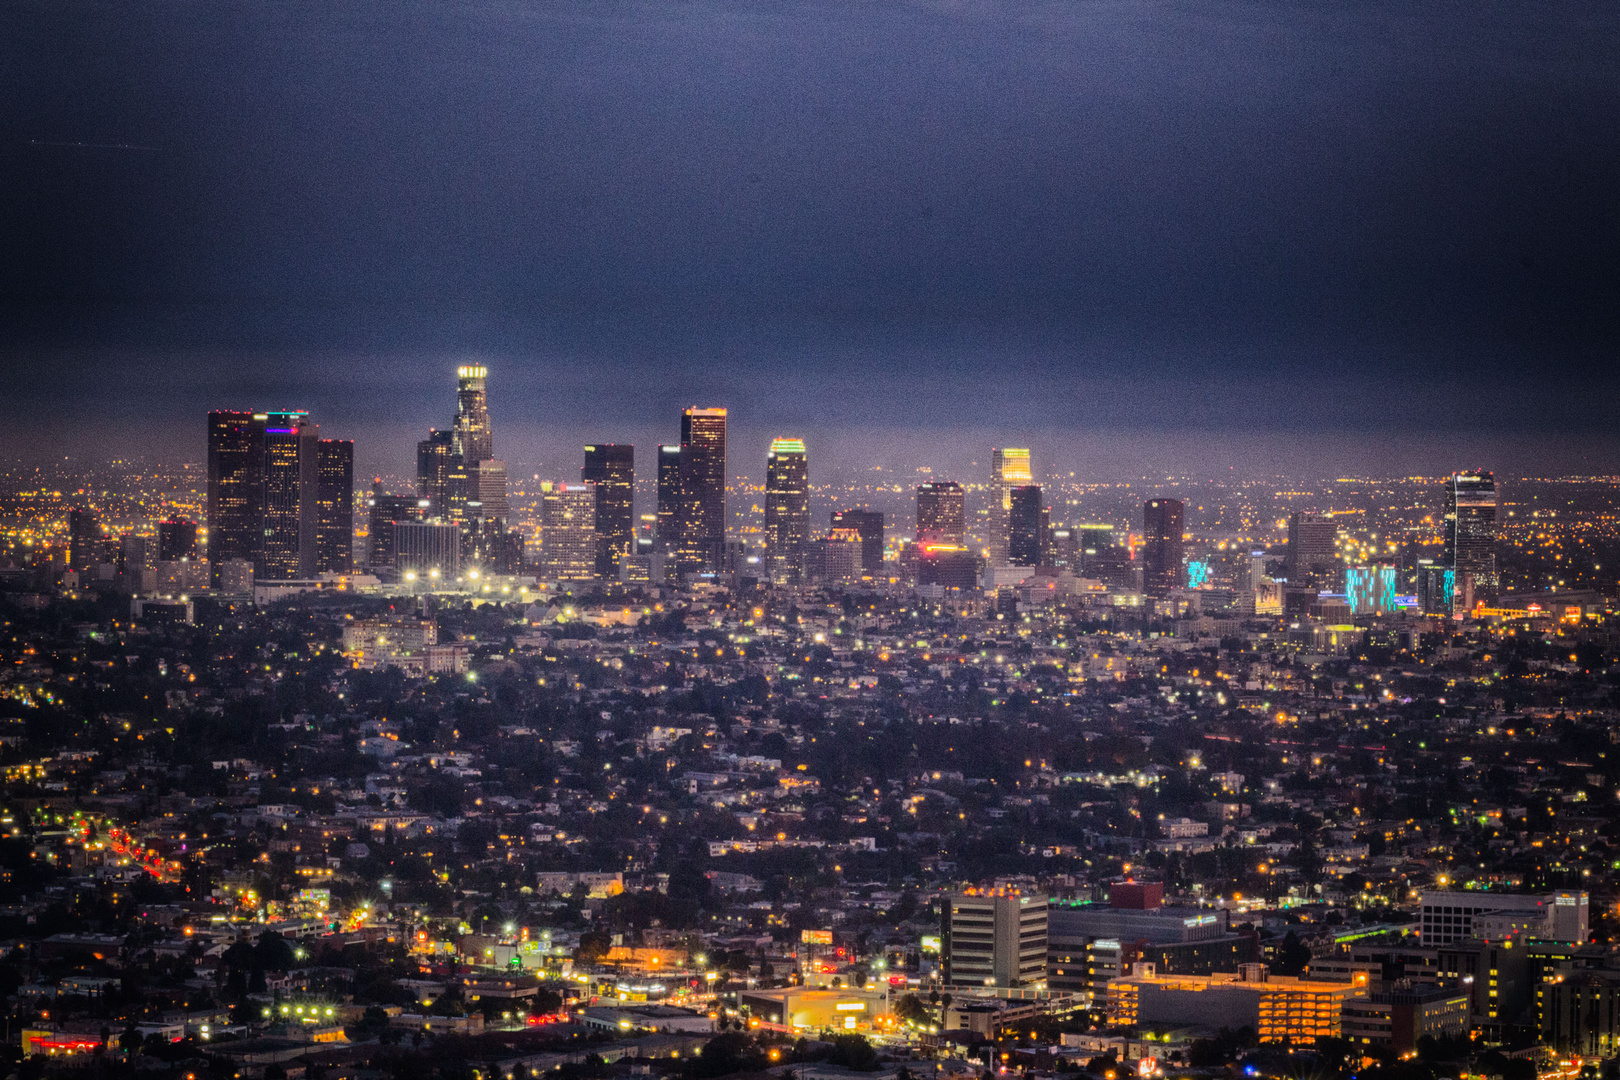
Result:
{"points": [[909, 540]]}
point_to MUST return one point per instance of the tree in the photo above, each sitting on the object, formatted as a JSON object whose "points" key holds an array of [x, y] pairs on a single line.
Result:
{"points": [[1293, 955], [593, 945], [913, 1008]]}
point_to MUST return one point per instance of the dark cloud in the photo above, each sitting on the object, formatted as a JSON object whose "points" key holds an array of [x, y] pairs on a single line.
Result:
{"points": [[1216, 215]]}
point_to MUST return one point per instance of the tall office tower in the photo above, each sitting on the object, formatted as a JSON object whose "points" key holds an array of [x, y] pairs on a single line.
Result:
{"points": [[702, 522], [235, 487], [1313, 553], [1063, 548], [485, 486], [994, 937], [612, 468], [334, 506], [84, 539], [941, 514], [1009, 469], [567, 531], [868, 524], [1101, 558], [436, 463], [1161, 546], [668, 518], [177, 540], [787, 510], [473, 439], [1470, 532], [838, 556], [382, 511], [290, 511], [1026, 527]]}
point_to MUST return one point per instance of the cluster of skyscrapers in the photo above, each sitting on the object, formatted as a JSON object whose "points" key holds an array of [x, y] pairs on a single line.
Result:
{"points": [[280, 499]]}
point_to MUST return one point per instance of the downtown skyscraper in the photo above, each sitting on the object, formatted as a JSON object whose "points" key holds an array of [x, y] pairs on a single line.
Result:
{"points": [[787, 510], [611, 467], [1162, 546], [701, 522], [941, 513], [1009, 469], [279, 496], [1470, 534]]}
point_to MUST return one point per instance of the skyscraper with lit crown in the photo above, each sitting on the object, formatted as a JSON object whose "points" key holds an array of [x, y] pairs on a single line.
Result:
{"points": [[1009, 469], [474, 440], [702, 524], [1470, 532], [787, 510]]}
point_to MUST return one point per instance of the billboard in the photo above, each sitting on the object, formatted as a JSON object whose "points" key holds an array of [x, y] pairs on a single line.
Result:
{"points": [[815, 937]]}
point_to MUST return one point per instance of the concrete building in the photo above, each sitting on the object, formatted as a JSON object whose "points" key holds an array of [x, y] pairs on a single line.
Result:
{"points": [[1395, 1019], [994, 938], [1448, 917], [1276, 1007]]}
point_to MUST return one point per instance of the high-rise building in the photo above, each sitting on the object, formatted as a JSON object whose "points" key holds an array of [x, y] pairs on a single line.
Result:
{"points": [[1370, 590], [1313, 553], [568, 531], [177, 540], [995, 937], [382, 511], [486, 492], [84, 540], [474, 441], [702, 523], [1026, 527], [436, 463], [612, 468], [1162, 546], [1102, 558], [334, 502], [1470, 531], [1009, 469], [290, 513], [837, 556], [868, 524], [1436, 588], [1063, 548], [941, 513], [668, 517], [787, 510], [235, 487]]}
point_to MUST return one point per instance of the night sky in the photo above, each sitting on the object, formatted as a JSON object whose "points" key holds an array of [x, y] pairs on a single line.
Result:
{"points": [[1195, 236]]}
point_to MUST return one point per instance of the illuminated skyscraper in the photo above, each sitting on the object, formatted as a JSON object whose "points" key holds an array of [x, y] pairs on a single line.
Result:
{"points": [[941, 514], [702, 522], [568, 531], [1026, 527], [486, 492], [1370, 590], [668, 517], [334, 501], [1313, 553], [868, 524], [1470, 532], [612, 468], [787, 510], [436, 464], [84, 540], [382, 511], [1009, 468], [290, 512], [1161, 546], [474, 440], [235, 487]]}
